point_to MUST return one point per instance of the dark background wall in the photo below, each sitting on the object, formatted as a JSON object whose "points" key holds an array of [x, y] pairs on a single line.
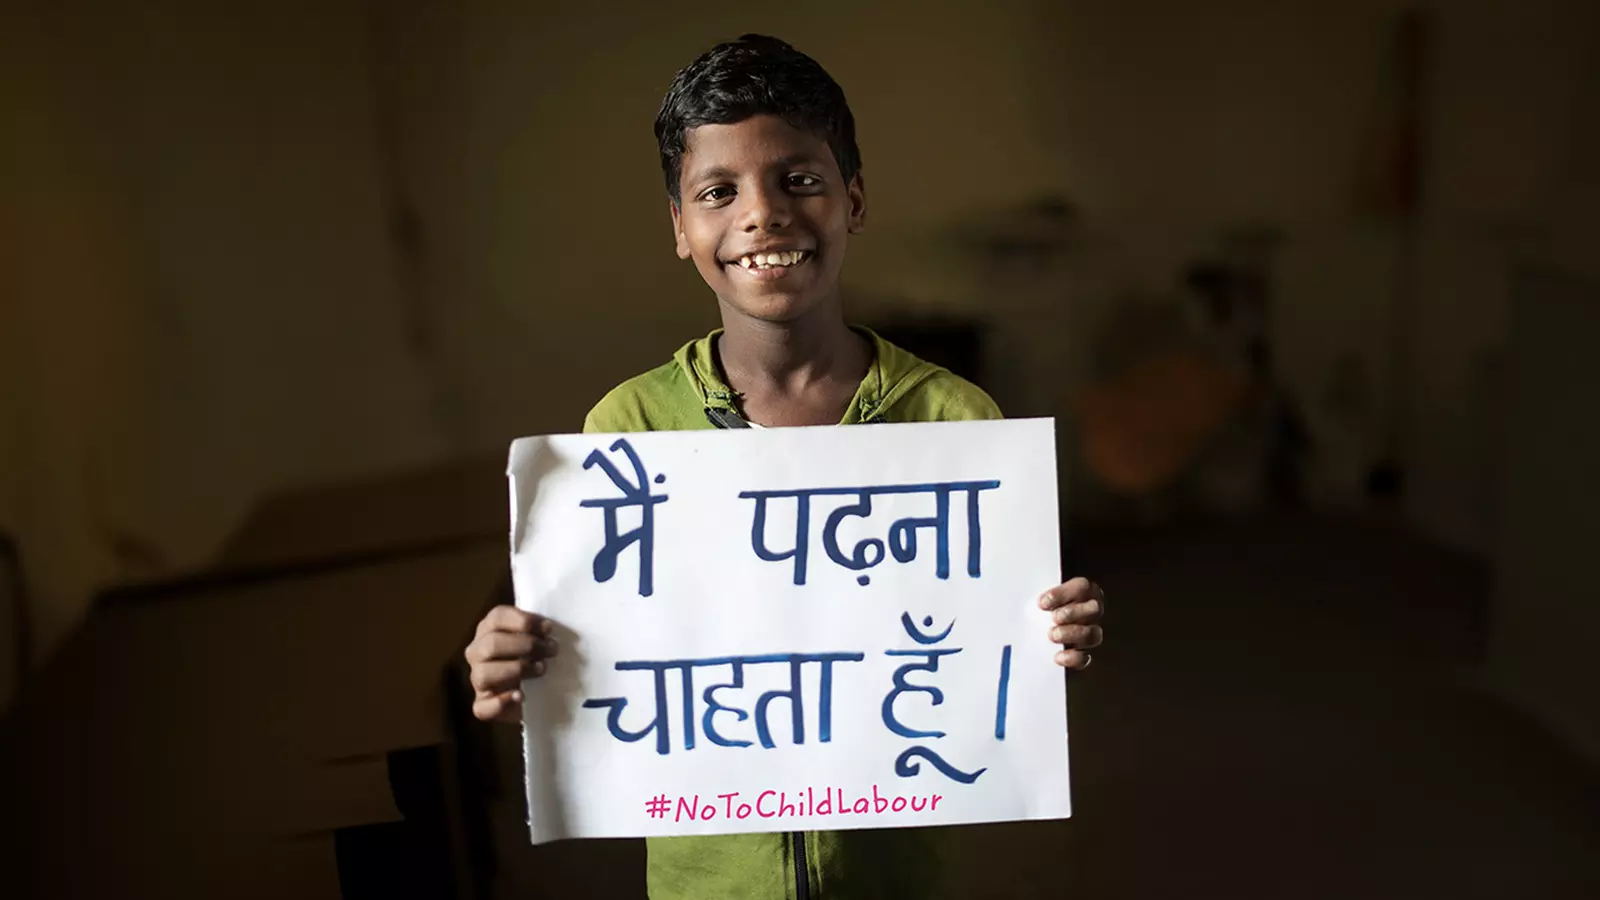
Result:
{"points": [[283, 280]]}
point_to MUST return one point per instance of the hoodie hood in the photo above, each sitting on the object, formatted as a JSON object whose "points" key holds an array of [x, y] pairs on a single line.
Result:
{"points": [[893, 376]]}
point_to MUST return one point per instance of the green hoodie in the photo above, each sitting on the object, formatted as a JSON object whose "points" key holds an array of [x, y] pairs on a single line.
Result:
{"points": [[689, 394]]}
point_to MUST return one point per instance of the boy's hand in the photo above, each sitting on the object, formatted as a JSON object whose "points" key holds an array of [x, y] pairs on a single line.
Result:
{"points": [[1075, 611], [511, 645]]}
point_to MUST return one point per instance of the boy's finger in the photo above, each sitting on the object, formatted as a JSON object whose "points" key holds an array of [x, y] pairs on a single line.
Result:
{"points": [[1088, 612], [499, 676], [1077, 660], [1081, 636], [1075, 591], [506, 707], [509, 618], [500, 645], [504, 618]]}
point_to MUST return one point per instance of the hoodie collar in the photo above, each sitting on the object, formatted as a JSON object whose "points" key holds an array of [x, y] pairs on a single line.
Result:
{"points": [[894, 373]]}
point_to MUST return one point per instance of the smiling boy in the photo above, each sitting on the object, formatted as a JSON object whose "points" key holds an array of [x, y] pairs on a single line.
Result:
{"points": [[765, 188]]}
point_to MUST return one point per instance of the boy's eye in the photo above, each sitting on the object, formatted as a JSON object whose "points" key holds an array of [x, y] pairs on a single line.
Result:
{"points": [[804, 181], [718, 193]]}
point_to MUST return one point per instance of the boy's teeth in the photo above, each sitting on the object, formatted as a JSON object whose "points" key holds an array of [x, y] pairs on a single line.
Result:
{"points": [[762, 260]]}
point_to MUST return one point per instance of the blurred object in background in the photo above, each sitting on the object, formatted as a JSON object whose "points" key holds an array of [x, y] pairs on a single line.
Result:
{"points": [[1342, 422], [1017, 259], [13, 625], [275, 725], [1547, 600], [1021, 239], [1186, 398], [955, 342], [1391, 186], [1143, 427], [1260, 459]]}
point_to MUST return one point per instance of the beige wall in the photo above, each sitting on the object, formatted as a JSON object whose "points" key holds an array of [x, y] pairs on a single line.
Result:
{"points": [[203, 306], [529, 151], [1514, 86], [209, 306], [1546, 606], [527, 146]]}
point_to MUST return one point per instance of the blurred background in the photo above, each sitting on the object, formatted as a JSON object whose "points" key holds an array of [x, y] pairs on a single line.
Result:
{"points": [[1310, 286]]}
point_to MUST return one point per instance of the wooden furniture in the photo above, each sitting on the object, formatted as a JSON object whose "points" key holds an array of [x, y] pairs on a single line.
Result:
{"points": [[241, 732]]}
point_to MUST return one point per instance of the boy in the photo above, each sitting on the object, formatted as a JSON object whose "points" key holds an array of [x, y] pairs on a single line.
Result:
{"points": [[764, 186]]}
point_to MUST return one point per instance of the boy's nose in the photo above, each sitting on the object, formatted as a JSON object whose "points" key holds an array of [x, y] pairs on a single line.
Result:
{"points": [[765, 210]]}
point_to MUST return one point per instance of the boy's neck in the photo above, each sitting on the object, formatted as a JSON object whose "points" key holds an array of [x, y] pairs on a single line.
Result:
{"points": [[787, 357]]}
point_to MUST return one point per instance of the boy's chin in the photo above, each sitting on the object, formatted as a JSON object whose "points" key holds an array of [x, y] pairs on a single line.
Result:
{"points": [[775, 308]]}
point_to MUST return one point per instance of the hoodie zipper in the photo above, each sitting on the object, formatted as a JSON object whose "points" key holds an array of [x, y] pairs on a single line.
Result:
{"points": [[802, 883], [723, 418]]}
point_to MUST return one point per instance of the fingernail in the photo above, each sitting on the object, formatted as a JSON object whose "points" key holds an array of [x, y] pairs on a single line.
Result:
{"points": [[538, 667], [546, 626], [1044, 601], [516, 696], [550, 646]]}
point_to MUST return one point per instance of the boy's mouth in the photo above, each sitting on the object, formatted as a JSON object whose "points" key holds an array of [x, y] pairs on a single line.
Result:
{"points": [[772, 264]]}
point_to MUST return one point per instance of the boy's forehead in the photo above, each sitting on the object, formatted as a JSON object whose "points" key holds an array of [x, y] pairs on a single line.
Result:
{"points": [[756, 142]]}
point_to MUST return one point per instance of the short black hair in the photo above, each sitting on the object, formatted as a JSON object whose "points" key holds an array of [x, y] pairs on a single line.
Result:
{"points": [[751, 76]]}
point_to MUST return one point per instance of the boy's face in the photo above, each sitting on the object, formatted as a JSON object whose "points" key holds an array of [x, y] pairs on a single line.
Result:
{"points": [[765, 214]]}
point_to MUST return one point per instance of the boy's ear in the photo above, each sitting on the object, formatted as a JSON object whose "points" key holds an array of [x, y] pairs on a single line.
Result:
{"points": [[677, 229], [857, 192]]}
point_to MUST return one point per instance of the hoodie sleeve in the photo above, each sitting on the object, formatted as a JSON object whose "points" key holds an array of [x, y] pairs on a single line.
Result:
{"points": [[968, 402], [663, 399], [947, 397]]}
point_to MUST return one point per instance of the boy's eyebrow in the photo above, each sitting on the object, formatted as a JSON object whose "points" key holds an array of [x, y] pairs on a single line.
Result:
{"points": [[723, 173], [715, 173]]}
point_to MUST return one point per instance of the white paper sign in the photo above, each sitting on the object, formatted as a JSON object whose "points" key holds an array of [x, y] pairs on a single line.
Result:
{"points": [[791, 629]]}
